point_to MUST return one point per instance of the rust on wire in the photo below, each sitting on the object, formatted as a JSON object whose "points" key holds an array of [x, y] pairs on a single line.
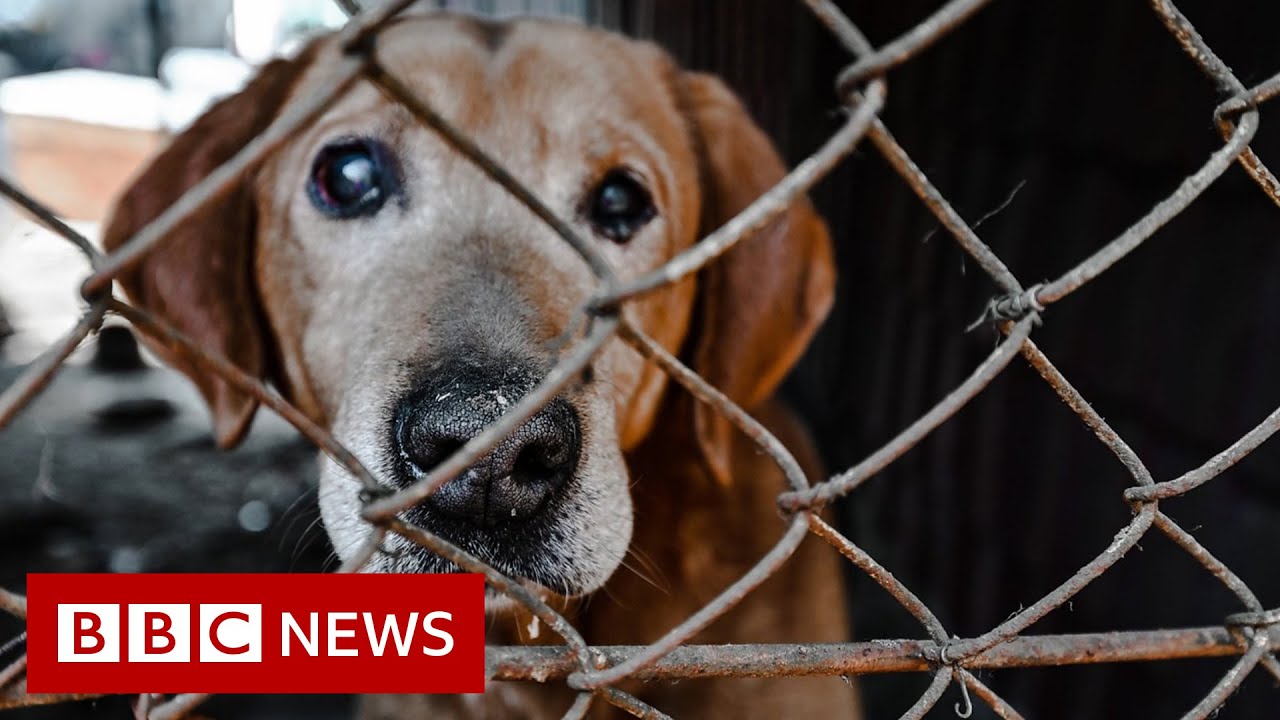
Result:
{"points": [[882, 656], [1252, 635], [882, 577], [15, 695]]}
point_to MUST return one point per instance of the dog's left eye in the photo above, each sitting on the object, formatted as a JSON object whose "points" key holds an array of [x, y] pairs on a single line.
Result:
{"points": [[350, 179], [620, 206]]}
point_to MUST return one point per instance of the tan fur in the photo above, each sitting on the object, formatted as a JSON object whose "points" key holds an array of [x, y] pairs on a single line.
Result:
{"points": [[339, 314]]}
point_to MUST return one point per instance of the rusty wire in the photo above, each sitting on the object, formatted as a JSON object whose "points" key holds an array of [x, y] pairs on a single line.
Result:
{"points": [[882, 656], [1252, 635]]}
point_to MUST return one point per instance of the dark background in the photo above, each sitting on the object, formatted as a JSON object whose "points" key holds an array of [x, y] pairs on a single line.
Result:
{"points": [[1095, 113], [1091, 111]]}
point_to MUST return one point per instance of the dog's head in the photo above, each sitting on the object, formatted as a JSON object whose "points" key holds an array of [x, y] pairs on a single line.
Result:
{"points": [[404, 300]]}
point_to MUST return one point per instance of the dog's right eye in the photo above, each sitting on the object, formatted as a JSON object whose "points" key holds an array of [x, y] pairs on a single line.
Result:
{"points": [[350, 179], [619, 206]]}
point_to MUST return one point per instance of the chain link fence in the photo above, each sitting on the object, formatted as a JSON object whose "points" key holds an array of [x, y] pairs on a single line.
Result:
{"points": [[1251, 635]]}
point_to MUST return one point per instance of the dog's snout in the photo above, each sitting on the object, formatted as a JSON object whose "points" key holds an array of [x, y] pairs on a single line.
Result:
{"points": [[515, 480]]}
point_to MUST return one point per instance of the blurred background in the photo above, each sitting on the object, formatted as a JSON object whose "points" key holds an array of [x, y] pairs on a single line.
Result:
{"points": [[1070, 118]]}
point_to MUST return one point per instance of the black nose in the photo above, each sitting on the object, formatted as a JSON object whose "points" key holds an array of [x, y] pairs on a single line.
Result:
{"points": [[516, 479]]}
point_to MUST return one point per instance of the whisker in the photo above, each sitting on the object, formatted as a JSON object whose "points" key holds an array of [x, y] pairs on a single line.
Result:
{"points": [[306, 540], [645, 577], [651, 566]]}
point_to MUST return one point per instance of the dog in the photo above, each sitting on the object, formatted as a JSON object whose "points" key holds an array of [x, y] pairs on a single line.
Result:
{"points": [[403, 300]]}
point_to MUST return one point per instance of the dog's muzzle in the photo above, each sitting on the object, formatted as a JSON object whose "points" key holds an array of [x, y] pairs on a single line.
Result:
{"points": [[514, 482]]}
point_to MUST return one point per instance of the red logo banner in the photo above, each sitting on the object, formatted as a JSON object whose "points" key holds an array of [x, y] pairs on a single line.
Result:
{"points": [[255, 633]]}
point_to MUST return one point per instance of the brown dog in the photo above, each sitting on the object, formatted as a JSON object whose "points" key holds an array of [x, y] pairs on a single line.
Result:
{"points": [[403, 300]]}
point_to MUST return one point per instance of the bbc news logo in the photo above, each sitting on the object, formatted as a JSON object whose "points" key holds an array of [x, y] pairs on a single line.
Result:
{"points": [[161, 633], [252, 633]]}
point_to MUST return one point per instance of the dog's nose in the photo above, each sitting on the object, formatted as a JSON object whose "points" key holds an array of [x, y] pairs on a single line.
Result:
{"points": [[513, 481]]}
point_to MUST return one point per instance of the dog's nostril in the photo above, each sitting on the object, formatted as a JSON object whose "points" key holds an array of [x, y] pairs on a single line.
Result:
{"points": [[424, 445], [540, 462], [427, 456]]}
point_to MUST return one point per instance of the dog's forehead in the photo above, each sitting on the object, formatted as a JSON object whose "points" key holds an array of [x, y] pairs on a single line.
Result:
{"points": [[543, 75], [524, 57]]}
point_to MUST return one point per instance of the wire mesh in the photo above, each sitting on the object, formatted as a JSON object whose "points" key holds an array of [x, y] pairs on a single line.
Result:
{"points": [[1251, 635]]}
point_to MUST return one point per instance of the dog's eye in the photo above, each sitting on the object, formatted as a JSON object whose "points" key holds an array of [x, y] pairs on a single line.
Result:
{"points": [[350, 179], [620, 206]]}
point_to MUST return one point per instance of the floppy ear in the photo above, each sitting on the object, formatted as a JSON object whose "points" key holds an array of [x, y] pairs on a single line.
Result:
{"points": [[762, 301], [200, 278]]}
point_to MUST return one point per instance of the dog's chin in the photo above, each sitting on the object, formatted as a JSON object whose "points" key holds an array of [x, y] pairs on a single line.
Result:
{"points": [[535, 567], [569, 550], [500, 604]]}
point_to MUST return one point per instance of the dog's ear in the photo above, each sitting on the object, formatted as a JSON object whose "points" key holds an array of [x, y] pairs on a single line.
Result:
{"points": [[201, 278], [761, 302]]}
